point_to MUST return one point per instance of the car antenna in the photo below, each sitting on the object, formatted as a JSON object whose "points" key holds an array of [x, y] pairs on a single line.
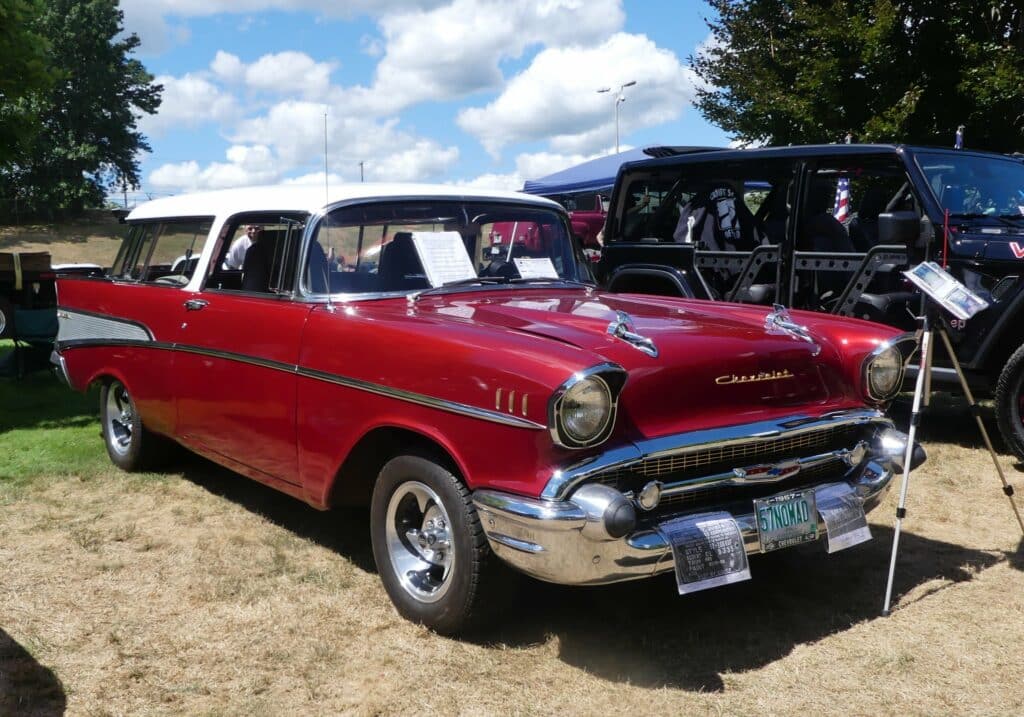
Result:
{"points": [[327, 198]]}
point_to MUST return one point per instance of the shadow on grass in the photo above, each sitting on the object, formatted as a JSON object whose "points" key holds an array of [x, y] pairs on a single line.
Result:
{"points": [[643, 633], [40, 400], [343, 530], [26, 687], [948, 420]]}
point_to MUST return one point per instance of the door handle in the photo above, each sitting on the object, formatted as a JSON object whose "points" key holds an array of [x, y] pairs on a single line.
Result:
{"points": [[195, 304]]}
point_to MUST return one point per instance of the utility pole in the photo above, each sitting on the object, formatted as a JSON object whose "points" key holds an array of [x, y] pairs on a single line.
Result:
{"points": [[361, 171]]}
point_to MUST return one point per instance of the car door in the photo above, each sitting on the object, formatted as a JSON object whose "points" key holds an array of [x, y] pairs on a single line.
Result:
{"points": [[235, 365]]}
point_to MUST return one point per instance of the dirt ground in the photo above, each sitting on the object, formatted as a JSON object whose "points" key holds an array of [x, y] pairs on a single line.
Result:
{"points": [[199, 592]]}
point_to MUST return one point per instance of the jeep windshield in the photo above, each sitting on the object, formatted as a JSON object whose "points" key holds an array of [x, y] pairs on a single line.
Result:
{"points": [[973, 187], [403, 247]]}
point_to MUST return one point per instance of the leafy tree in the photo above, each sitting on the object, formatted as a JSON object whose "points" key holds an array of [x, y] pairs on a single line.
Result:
{"points": [[88, 140], [798, 71], [24, 70]]}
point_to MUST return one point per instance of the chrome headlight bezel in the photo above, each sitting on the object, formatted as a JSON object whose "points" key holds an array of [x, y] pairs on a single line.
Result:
{"points": [[609, 379], [886, 353]]}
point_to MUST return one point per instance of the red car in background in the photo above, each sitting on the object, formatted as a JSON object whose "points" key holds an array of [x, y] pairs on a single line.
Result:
{"points": [[482, 398]]}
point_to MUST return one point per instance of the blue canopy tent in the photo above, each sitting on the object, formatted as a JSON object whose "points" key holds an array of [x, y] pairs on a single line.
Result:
{"points": [[598, 174]]}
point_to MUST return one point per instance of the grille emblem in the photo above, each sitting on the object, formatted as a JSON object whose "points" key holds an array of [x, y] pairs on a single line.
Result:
{"points": [[768, 472]]}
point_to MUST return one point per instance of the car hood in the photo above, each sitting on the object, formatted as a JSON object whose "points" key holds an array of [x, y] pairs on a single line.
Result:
{"points": [[715, 364]]}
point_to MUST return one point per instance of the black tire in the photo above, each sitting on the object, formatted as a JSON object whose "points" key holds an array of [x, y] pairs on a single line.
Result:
{"points": [[130, 445], [1009, 392], [446, 598]]}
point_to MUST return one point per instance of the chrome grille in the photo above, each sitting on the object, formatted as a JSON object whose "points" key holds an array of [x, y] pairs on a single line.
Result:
{"points": [[719, 459], [709, 460]]}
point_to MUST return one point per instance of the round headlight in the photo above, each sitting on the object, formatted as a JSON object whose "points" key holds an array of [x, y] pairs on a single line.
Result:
{"points": [[585, 409], [884, 374]]}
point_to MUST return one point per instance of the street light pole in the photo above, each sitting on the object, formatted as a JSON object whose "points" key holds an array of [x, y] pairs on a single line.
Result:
{"points": [[619, 99]]}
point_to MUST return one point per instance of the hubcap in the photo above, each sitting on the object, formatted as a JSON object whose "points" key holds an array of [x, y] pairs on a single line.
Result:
{"points": [[120, 418], [419, 544]]}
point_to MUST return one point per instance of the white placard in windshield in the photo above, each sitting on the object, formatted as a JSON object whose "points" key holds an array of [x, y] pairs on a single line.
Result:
{"points": [[535, 267], [950, 294], [444, 257], [843, 514], [707, 549]]}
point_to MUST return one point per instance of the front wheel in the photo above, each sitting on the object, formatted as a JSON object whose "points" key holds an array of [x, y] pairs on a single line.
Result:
{"points": [[1010, 403], [430, 549], [130, 445]]}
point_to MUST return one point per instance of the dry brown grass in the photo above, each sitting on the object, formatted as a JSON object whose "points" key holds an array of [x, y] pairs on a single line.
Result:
{"points": [[92, 239], [199, 592]]}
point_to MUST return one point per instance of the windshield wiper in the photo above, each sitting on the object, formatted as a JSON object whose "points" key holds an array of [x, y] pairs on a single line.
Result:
{"points": [[1018, 215], [548, 280], [468, 281]]}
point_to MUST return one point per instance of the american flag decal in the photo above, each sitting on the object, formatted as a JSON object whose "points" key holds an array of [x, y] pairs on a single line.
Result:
{"points": [[842, 206]]}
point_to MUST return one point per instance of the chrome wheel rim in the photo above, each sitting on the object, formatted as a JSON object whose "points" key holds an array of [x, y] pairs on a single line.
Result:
{"points": [[120, 418], [417, 531]]}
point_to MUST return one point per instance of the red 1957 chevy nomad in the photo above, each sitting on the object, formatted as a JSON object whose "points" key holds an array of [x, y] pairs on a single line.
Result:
{"points": [[443, 356]]}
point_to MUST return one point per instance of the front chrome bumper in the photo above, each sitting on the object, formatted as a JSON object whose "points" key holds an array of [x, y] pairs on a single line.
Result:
{"points": [[568, 542]]}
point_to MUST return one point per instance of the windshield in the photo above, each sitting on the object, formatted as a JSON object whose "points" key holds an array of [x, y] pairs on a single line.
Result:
{"points": [[975, 186], [414, 245]]}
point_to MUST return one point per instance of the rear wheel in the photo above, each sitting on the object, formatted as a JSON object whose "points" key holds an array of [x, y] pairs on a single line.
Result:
{"points": [[130, 445], [430, 549], [1010, 403]]}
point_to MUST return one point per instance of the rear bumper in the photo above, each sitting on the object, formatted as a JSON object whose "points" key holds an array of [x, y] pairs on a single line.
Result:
{"points": [[569, 541]]}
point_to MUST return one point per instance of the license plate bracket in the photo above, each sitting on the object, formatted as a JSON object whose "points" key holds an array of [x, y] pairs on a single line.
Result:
{"points": [[786, 519]]}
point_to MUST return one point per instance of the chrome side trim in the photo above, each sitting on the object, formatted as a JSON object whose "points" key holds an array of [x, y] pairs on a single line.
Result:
{"points": [[60, 367], [74, 325], [387, 391], [422, 400], [563, 481]]}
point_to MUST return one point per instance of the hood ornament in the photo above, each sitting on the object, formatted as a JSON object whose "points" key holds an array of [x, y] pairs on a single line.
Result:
{"points": [[622, 328], [779, 322]]}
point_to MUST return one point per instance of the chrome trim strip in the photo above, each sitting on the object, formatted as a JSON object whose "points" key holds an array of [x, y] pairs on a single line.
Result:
{"points": [[461, 409], [61, 367], [75, 325], [422, 400], [564, 480]]}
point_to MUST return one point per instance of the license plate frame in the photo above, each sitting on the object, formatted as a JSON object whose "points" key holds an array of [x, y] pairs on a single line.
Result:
{"points": [[786, 519]]}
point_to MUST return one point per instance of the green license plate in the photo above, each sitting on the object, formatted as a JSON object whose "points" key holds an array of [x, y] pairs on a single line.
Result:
{"points": [[786, 519]]}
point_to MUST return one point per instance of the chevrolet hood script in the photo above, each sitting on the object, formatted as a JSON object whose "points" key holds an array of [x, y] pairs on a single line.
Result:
{"points": [[759, 376]]}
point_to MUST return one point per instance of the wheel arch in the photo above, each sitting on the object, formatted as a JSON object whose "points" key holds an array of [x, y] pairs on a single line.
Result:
{"points": [[352, 483]]}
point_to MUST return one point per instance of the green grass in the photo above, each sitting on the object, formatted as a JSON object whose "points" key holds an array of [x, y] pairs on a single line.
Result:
{"points": [[46, 430]]}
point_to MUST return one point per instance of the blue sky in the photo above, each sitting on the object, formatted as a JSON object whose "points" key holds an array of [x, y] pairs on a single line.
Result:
{"points": [[477, 92]]}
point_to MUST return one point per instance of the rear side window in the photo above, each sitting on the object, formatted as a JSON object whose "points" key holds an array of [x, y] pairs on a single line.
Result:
{"points": [[161, 252]]}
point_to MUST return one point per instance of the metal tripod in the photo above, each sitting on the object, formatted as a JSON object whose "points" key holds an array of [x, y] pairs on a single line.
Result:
{"points": [[931, 324]]}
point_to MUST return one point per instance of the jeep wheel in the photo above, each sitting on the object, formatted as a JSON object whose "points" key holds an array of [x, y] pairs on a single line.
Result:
{"points": [[428, 544], [1010, 403], [130, 445]]}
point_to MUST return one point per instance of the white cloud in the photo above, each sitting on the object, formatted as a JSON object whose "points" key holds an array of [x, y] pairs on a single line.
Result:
{"points": [[148, 18], [549, 99], [456, 49], [422, 161], [228, 67], [289, 73], [508, 182], [246, 166], [188, 101]]}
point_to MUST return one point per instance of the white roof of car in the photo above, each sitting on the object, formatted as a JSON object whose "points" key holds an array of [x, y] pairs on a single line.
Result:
{"points": [[306, 198]]}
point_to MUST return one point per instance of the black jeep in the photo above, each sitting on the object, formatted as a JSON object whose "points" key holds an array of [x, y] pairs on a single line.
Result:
{"points": [[830, 228]]}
